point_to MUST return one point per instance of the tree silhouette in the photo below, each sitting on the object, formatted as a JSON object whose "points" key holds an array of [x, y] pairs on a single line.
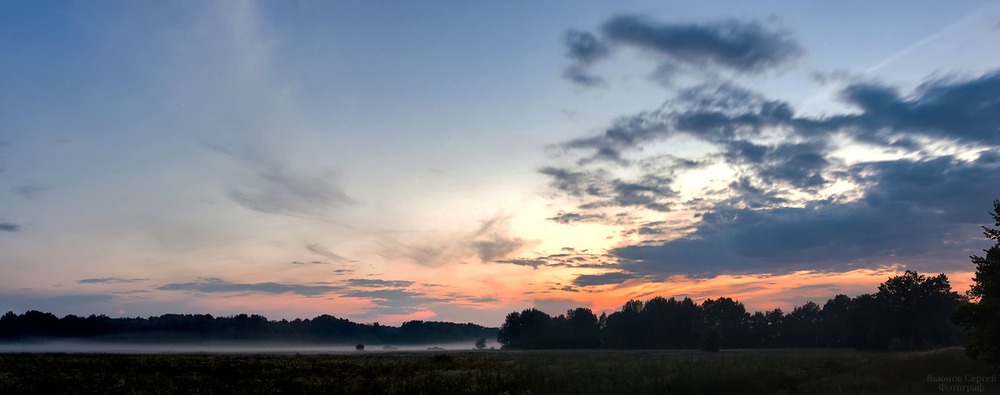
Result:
{"points": [[174, 327], [908, 311], [835, 326], [727, 316], [917, 308], [982, 317], [803, 325], [582, 328], [528, 329]]}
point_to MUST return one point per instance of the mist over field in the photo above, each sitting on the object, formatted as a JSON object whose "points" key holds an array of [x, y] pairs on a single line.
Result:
{"points": [[223, 347]]}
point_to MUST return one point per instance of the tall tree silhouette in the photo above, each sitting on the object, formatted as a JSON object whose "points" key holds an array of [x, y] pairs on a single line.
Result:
{"points": [[918, 306], [530, 328], [982, 317], [583, 329], [835, 327], [727, 316]]}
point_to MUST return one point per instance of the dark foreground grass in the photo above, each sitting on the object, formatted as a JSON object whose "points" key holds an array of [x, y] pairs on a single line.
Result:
{"points": [[499, 372]]}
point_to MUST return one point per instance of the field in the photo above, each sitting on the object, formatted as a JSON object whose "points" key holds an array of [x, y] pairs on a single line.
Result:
{"points": [[500, 372]]}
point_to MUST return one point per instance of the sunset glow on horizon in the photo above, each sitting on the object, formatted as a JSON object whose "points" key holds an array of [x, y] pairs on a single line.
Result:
{"points": [[455, 161]]}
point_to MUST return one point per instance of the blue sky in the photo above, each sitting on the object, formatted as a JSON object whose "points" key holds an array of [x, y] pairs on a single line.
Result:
{"points": [[457, 161]]}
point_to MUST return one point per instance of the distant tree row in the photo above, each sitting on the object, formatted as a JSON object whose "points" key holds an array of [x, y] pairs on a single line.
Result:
{"points": [[183, 327], [908, 311]]}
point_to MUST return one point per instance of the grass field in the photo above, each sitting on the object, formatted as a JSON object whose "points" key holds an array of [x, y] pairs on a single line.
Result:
{"points": [[500, 372]]}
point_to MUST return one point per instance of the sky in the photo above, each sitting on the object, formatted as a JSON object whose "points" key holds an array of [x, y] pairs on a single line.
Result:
{"points": [[456, 161]]}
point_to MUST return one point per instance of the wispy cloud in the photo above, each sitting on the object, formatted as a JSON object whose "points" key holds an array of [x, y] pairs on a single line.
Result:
{"points": [[29, 191], [491, 241], [244, 112], [110, 280], [318, 249], [377, 283], [9, 227], [215, 285], [277, 189], [569, 218], [586, 280], [393, 301], [533, 263]]}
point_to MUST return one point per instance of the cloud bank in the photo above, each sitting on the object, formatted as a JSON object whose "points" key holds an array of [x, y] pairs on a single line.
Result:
{"points": [[795, 197]]}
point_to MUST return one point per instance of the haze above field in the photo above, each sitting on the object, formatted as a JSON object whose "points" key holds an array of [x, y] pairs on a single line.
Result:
{"points": [[224, 347], [454, 161]]}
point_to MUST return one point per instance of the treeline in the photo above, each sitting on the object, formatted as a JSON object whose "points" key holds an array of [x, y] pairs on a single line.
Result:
{"points": [[908, 312], [187, 327]]}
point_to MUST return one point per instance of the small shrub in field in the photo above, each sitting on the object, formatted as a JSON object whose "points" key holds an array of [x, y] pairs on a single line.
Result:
{"points": [[442, 358]]}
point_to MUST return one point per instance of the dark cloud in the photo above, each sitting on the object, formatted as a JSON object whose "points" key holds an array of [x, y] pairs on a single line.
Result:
{"points": [[533, 263], [9, 227], [771, 217], [648, 191], [736, 45], [799, 164], [747, 194], [714, 113], [486, 299], [647, 230], [570, 182], [744, 47], [964, 109], [605, 154], [918, 211], [624, 133], [586, 280], [775, 153], [470, 299], [584, 47], [370, 282], [215, 285], [110, 280], [570, 259], [569, 218]]}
